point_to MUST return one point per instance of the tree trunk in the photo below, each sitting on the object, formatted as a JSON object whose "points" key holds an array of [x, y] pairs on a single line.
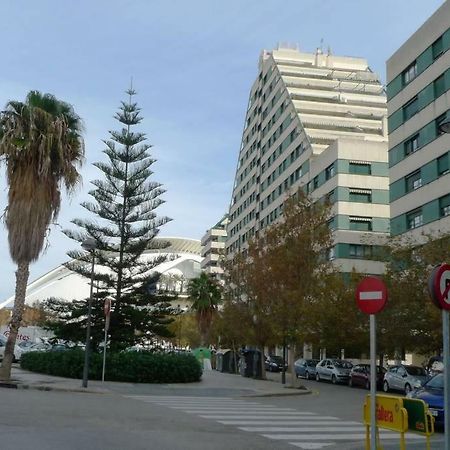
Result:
{"points": [[22, 274]]}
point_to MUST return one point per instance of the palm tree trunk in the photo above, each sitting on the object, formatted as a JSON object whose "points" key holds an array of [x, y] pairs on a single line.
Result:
{"points": [[22, 274]]}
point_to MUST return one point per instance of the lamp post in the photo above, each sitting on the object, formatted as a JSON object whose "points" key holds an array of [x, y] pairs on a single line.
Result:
{"points": [[89, 244]]}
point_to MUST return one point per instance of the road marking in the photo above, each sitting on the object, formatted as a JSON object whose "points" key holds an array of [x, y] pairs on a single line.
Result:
{"points": [[305, 430], [374, 295], [300, 429], [240, 416], [306, 420], [311, 445]]}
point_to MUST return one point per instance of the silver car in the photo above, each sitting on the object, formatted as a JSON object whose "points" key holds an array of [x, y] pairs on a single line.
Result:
{"points": [[334, 370], [404, 378]]}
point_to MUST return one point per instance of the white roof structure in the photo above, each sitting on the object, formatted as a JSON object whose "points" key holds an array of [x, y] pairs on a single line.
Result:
{"points": [[183, 263]]}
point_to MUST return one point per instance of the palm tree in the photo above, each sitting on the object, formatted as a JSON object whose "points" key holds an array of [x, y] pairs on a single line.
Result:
{"points": [[42, 147], [205, 294]]}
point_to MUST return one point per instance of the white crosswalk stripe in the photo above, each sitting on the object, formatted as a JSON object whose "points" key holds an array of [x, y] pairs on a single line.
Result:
{"points": [[306, 430]]}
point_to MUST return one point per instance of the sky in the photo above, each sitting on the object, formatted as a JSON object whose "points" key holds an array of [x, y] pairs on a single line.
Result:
{"points": [[192, 64]]}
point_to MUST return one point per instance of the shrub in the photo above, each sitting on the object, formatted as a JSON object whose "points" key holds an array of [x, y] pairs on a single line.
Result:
{"points": [[134, 367]]}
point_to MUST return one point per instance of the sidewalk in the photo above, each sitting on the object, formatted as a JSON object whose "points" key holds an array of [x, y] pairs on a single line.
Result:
{"points": [[213, 383]]}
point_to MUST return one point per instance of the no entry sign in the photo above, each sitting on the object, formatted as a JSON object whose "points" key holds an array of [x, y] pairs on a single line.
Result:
{"points": [[439, 286], [371, 295]]}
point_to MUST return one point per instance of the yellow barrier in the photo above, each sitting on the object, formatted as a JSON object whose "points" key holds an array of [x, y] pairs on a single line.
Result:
{"points": [[401, 415]]}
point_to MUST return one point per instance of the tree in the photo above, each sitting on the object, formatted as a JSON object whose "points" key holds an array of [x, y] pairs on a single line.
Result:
{"points": [[124, 203], [410, 321], [42, 147], [205, 295], [282, 276]]}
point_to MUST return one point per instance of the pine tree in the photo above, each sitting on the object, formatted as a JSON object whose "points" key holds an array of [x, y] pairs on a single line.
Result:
{"points": [[125, 202]]}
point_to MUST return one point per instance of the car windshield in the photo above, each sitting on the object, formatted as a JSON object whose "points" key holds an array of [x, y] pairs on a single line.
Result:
{"points": [[416, 371], [343, 364], [437, 382], [312, 362], [277, 359]]}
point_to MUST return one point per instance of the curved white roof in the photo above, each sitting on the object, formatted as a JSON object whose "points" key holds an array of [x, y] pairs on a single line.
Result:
{"points": [[183, 259]]}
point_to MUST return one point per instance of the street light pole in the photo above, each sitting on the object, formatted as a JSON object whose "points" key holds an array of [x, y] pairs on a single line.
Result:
{"points": [[89, 245]]}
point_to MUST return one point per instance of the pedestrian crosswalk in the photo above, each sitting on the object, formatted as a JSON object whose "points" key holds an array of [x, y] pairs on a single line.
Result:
{"points": [[305, 430]]}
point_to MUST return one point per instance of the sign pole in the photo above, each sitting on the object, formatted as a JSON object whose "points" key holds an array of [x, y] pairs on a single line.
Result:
{"points": [[107, 310], [104, 348], [373, 384], [446, 337]]}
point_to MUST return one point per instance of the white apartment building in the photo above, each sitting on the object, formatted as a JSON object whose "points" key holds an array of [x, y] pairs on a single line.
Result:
{"points": [[418, 91], [213, 247], [318, 121]]}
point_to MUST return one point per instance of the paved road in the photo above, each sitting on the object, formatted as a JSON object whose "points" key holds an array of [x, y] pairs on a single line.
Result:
{"points": [[198, 416]]}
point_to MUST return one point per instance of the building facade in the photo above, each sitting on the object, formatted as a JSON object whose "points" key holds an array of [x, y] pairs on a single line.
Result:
{"points": [[213, 247], [319, 122], [418, 91]]}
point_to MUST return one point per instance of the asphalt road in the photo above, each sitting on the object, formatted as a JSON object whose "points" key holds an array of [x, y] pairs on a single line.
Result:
{"points": [[328, 418]]}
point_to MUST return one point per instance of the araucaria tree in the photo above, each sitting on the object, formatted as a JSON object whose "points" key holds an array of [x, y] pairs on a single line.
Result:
{"points": [[42, 147], [124, 203]]}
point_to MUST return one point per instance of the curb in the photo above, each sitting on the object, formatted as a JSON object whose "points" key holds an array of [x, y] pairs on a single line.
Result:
{"points": [[39, 387]]}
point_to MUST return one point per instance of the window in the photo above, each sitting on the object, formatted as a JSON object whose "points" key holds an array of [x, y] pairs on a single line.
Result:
{"points": [[438, 121], [411, 145], [444, 205], [414, 219], [360, 251], [329, 172], [359, 168], [443, 164], [413, 181], [316, 182], [331, 253], [330, 197], [360, 223], [360, 195], [409, 73], [437, 48], [410, 108], [439, 86]]}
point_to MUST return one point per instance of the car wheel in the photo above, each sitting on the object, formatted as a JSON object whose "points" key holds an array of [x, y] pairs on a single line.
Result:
{"points": [[333, 379], [317, 376], [350, 382], [367, 385], [407, 389], [385, 386], [307, 375]]}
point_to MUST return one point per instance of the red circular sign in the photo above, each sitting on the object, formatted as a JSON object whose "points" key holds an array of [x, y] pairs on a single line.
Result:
{"points": [[371, 295], [439, 286], [107, 306]]}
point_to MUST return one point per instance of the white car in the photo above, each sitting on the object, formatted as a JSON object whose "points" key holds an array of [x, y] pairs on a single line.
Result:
{"points": [[17, 349]]}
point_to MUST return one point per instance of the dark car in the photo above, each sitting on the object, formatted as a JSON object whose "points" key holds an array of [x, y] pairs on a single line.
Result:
{"points": [[306, 368], [274, 363], [360, 376], [432, 393]]}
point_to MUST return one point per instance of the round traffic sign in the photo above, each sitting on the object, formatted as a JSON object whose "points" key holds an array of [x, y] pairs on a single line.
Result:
{"points": [[107, 307], [371, 295], [439, 286]]}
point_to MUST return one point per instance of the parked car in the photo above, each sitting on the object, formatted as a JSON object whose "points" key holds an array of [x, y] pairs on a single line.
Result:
{"points": [[404, 378], [274, 363], [306, 368], [17, 350], [360, 376], [432, 393], [335, 370]]}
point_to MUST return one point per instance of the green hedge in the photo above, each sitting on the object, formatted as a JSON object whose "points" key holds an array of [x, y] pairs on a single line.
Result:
{"points": [[134, 367]]}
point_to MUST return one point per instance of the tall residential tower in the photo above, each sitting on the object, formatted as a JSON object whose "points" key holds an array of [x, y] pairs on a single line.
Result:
{"points": [[418, 90], [316, 121]]}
